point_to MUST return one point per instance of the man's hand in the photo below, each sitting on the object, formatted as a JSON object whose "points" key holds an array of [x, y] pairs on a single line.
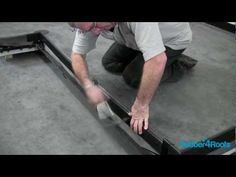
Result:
{"points": [[94, 94], [80, 67], [152, 72], [140, 116]]}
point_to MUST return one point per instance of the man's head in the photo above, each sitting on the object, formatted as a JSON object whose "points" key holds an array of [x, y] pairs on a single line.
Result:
{"points": [[94, 27]]}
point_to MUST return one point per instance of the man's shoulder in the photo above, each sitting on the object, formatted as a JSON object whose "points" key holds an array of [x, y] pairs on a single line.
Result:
{"points": [[138, 25]]}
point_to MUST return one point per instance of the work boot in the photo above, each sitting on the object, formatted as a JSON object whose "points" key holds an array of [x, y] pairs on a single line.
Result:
{"points": [[187, 62], [174, 72]]}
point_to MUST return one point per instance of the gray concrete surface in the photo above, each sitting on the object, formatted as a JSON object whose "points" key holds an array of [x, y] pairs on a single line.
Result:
{"points": [[198, 106], [39, 115]]}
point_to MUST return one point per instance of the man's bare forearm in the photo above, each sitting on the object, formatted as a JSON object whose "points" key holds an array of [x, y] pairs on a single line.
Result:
{"points": [[152, 73], [80, 68]]}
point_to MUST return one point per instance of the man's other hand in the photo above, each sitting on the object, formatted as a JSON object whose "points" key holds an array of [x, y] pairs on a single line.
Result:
{"points": [[140, 116], [95, 94]]}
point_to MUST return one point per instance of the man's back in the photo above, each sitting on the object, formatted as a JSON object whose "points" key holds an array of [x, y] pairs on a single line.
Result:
{"points": [[175, 35], [152, 37], [149, 38]]}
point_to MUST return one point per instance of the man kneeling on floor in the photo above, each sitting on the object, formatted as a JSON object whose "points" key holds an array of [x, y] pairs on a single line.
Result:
{"points": [[145, 54]]}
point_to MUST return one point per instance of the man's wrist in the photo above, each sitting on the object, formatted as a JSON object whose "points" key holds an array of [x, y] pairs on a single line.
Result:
{"points": [[141, 103], [88, 84]]}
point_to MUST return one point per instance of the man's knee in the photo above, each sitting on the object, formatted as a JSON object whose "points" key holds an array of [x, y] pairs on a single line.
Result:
{"points": [[133, 72], [117, 58], [113, 66]]}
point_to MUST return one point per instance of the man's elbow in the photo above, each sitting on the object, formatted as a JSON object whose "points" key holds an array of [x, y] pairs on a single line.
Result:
{"points": [[76, 56], [159, 59]]}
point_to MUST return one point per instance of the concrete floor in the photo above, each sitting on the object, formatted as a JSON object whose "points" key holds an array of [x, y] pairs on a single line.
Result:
{"points": [[198, 106], [201, 104], [39, 115]]}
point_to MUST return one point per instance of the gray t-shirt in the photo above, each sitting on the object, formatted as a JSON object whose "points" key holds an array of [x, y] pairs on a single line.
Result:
{"points": [[149, 38]]}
